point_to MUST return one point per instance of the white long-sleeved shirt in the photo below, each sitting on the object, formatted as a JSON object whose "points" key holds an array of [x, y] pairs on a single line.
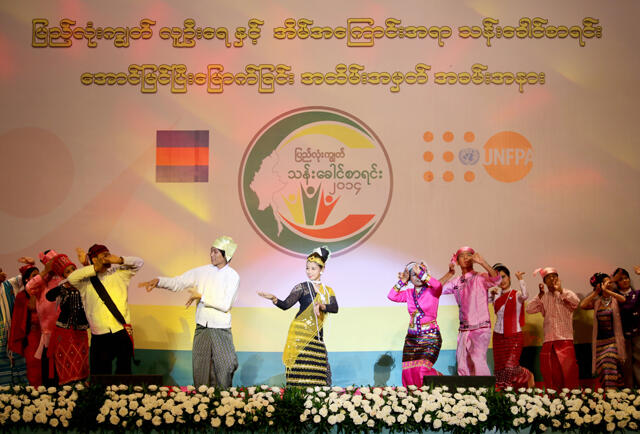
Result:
{"points": [[522, 296], [116, 281], [219, 289]]}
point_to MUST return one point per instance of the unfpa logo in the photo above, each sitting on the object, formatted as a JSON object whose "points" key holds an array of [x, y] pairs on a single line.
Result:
{"points": [[506, 157]]}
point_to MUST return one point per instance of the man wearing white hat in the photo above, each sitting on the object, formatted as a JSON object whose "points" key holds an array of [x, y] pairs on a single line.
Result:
{"points": [[214, 287]]}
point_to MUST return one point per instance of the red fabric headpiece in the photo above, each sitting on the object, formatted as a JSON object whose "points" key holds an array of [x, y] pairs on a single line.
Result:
{"points": [[60, 263], [26, 270], [95, 250]]}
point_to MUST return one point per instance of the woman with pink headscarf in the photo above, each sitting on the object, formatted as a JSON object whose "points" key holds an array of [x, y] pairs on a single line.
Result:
{"points": [[47, 312]]}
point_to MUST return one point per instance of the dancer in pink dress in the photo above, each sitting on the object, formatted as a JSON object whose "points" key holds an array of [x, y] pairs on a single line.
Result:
{"points": [[423, 341]]}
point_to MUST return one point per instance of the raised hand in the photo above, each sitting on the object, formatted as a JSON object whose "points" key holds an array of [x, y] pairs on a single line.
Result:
{"points": [[47, 268], [477, 259], [520, 275], [637, 269], [417, 269], [557, 286], [149, 285], [26, 260], [541, 288], [268, 296], [598, 289], [82, 256], [452, 267], [194, 295], [113, 259], [403, 276]]}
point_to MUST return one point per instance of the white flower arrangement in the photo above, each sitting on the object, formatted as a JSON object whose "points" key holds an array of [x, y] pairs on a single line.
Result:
{"points": [[201, 407], [350, 409], [40, 406]]}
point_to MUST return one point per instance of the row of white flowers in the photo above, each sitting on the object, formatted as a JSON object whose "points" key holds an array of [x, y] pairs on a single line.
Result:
{"points": [[171, 406], [44, 406], [351, 409], [588, 410], [385, 407]]}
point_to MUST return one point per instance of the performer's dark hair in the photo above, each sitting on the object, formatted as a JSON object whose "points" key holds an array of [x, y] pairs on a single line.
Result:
{"points": [[597, 278], [26, 273], [624, 272], [315, 255], [501, 267]]}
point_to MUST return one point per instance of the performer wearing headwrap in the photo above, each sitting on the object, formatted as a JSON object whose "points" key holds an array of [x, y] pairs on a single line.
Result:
{"points": [[508, 339], [25, 333], [47, 313], [111, 338], [607, 344], [305, 354], [558, 357], [630, 317], [470, 292], [69, 345], [423, 341], [215, 288], [13, 369]]}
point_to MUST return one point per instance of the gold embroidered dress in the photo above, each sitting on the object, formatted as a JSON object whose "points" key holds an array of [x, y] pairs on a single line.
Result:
{"points": [[305, 354]]}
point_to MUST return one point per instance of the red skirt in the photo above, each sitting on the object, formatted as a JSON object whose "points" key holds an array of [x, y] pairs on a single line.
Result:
{"points": [[69, 350], [34, 366], [506, 361]]}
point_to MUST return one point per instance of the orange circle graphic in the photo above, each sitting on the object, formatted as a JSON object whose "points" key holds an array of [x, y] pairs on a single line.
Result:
{"points": [[447, 136], [448, 156], [469, 176], [428, 156], [508, 156], [469, 137], [427, 136], [448, 176], [428, 176]]}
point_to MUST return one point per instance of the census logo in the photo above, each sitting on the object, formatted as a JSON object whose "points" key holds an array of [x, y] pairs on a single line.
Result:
{"points": [[315, 176], [508, 156]]}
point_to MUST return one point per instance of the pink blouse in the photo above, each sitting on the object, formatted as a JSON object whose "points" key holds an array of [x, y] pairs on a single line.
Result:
{"points": [[48, 311], [427, 299], [470, 292]]}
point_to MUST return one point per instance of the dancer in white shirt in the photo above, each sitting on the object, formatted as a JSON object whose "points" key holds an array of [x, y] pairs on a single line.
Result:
{"points": [[214, 287]]}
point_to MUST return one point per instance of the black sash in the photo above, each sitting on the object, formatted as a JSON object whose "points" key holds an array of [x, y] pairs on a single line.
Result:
{"points": [[106, 299]]}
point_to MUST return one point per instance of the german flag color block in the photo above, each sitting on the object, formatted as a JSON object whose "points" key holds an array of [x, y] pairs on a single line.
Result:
{"points": [[182, 156]]}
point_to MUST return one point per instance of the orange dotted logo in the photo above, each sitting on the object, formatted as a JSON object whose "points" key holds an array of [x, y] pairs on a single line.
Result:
{"points": [[508, 156], [448, 140]]}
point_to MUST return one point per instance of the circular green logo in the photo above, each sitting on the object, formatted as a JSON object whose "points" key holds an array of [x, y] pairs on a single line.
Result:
{"points": [[315, 176]]}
